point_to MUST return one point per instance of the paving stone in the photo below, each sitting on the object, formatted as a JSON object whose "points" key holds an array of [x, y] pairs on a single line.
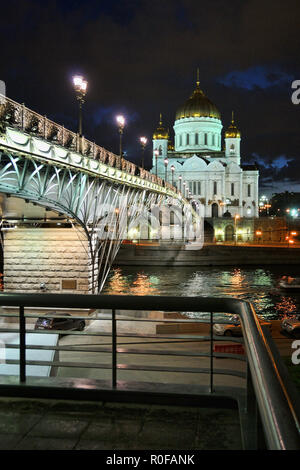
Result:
{"points": [[218, 437], [173, 435], [58, 426], [17, 423], [113, 431], [44, 443], [9, 441]]}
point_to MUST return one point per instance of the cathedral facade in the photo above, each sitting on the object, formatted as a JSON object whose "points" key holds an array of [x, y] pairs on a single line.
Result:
{"points": [[197, 164]]}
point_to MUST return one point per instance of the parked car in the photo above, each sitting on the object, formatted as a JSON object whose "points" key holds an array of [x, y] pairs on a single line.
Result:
{"points": [[291, 325], [49, 323], [233, 327]]}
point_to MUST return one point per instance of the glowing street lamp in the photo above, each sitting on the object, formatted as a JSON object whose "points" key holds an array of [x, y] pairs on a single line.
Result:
{"points": [[80, 87], [180, 180], [172, 170], [121, 124], [166, 161], [143, 141]]}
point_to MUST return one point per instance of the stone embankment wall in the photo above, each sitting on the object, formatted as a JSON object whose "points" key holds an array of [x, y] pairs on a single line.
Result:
{"points": [[55, 258], [210, 255]]}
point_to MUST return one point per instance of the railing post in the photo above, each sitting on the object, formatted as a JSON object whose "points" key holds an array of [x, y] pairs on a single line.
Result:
{"points": [[114, 348], [22, 348], [255, 437], [211, 384]]}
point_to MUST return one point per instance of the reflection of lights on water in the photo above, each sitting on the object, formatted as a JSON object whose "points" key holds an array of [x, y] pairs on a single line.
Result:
{"points": [[117, 283], [256, 285], [142, 286], [286, 306], [120, 284], [237, 277]]}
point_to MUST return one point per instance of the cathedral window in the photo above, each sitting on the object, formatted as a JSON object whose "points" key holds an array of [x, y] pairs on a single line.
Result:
{"points": [[172, 218], [215, 187]]}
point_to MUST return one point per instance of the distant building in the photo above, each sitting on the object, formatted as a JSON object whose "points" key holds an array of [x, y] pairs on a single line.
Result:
{"points": [[198, 166]]}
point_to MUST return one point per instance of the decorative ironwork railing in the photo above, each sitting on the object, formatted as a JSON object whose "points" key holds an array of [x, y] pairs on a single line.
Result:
{"points": [[18, 115]]}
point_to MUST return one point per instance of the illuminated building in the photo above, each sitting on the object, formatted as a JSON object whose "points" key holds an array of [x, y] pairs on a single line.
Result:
{"points": [[197, 164]]}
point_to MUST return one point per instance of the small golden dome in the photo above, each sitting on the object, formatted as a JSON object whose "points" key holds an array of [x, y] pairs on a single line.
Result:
{"points": [[170, 146], [198, 105], [160, 132], [232, 131]]}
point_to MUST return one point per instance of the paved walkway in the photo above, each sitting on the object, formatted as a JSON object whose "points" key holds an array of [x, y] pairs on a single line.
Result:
{"points": [[31, 424]]}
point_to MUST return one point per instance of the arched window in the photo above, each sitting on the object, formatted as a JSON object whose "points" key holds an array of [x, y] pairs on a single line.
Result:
{"points": [[172, 218], [215, 188]]}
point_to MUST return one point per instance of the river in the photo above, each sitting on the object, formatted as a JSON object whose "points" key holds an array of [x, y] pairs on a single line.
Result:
{"points": [[258, 285]]}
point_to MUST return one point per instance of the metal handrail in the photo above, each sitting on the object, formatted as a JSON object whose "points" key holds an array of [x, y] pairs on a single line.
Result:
{"points": [[279, 416]]}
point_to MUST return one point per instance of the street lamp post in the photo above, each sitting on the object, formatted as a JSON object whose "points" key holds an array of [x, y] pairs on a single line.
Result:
{"points": [[156, 152], [143, 141], [121, 123], [180, 180], [172, 170], [166, 161], [80, 87]]}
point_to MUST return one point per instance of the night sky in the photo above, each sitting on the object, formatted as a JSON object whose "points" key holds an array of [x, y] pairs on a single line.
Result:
{"points": [[140, 58]]}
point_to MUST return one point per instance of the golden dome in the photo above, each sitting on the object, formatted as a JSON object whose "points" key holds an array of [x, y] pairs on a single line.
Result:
{"points": [[232, 131], [198, 105], [170, 146], [161, 132]]}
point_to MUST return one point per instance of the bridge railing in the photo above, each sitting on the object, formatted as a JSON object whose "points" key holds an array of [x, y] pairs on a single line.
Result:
{"points": [[18, 115], [265, 382]]}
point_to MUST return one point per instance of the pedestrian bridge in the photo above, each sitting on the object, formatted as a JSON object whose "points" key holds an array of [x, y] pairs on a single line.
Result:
{"points": [[110, 198]]}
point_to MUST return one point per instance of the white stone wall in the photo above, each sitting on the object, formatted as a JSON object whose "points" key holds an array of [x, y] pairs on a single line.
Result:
{"points": [[197, 125], [45, 256]]}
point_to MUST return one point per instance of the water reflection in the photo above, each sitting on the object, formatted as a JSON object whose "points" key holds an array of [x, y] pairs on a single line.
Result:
{"points": [[255, 284]]}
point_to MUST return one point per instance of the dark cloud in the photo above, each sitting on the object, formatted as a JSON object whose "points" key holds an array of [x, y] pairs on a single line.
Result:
{"points": [[140, 57]]}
